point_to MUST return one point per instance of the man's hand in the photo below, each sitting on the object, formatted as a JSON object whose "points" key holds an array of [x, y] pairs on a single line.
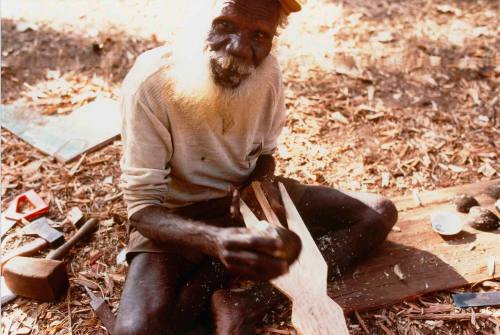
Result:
{"points": [[259, 254], [252, 254]]}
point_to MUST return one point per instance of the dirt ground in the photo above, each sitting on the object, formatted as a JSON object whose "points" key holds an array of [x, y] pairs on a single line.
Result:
{"points": [[383, 96]]}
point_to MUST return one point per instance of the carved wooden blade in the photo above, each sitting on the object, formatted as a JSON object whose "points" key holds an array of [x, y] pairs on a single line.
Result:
{"points": [[251, 221], [314, 312], [266, 207]]}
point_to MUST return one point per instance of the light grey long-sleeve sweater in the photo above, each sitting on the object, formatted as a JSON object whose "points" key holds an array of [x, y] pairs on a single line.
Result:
{"points": [[174, 160]]}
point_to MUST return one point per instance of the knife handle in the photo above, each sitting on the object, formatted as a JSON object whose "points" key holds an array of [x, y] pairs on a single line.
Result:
{"points": [[85, 230]]}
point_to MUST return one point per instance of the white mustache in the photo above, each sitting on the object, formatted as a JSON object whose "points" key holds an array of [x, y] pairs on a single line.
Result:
{"points": [[231, 63]]}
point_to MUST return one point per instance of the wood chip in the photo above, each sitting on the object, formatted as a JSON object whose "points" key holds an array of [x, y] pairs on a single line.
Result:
{"points": [[85, 282], [462, 316], [361, 322], [385, 179], [75, 216], [75, 167], [337, 116], [416, 198], [491, 266], [398, 272]]}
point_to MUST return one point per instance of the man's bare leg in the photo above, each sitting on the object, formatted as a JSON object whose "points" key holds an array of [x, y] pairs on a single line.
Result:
{"points": [[347, 226], [149, 295], [194, 297], [239, 312]]}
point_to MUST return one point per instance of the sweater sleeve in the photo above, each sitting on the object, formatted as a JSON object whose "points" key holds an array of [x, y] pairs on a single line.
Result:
{"points": [[147, 149], [278, 119]]}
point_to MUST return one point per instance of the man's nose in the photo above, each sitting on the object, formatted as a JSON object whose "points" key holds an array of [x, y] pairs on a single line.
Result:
{"points": [[240, 47]]}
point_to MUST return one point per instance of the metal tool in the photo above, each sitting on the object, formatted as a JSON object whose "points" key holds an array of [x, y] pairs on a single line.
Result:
{"points": [[33, 200], [102, 310], [48, 237], [43, 279], [15, 213], [472, 299]]}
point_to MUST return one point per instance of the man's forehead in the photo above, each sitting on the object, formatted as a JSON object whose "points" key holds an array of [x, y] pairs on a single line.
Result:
{"points": [[267, 10]]}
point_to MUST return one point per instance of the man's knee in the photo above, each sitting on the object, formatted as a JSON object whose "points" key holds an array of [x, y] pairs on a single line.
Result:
{"points": [[130, 326], [388, 214]]}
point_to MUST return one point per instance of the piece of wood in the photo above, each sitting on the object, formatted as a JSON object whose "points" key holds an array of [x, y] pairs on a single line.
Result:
{"points": [[251, 221], [75, 216], [313, 312], [65, 136], [264, 204], [430, 262], [461, 316]]}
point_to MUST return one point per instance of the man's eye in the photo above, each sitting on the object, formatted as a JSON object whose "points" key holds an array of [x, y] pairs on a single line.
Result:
{"points": [[223, 26], [259, 36]]}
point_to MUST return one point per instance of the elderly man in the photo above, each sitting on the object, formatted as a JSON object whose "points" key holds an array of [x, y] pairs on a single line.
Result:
{"points": [[201, 118]]}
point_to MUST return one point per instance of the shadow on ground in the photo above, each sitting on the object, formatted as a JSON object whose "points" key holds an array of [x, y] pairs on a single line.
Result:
{"points": [[29, 52]]}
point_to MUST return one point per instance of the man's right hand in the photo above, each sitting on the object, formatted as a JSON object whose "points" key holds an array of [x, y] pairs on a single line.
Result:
{"points": [[254, 255]]}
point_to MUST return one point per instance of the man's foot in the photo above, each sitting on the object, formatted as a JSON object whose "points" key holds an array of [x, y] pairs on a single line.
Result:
{"points": [[239, 312]]}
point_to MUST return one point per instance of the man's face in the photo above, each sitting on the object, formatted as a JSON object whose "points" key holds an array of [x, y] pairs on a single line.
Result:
{"points": [[240, 38]]}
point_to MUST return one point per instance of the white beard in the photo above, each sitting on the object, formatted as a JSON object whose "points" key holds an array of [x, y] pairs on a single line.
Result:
{"points": [[193, 84]]}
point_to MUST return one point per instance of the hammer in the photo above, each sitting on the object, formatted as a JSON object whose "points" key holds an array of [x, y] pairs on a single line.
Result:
{"points": [[49, 237], [43, 279]]}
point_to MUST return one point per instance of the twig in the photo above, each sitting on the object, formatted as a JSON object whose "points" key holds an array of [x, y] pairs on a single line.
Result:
{"points": [[75, 168], [387, 330], [361, 322], [113, 197], [70, 323], [461, 316]]}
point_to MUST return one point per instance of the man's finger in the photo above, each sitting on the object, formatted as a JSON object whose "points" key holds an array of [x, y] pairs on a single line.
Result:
{"points": [[234, 209], [264, 244], [258, 262]]}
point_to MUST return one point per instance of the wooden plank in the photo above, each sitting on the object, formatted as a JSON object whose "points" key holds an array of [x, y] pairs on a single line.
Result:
{"points": [[430, 262], [65, 136], [407, 202]]}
